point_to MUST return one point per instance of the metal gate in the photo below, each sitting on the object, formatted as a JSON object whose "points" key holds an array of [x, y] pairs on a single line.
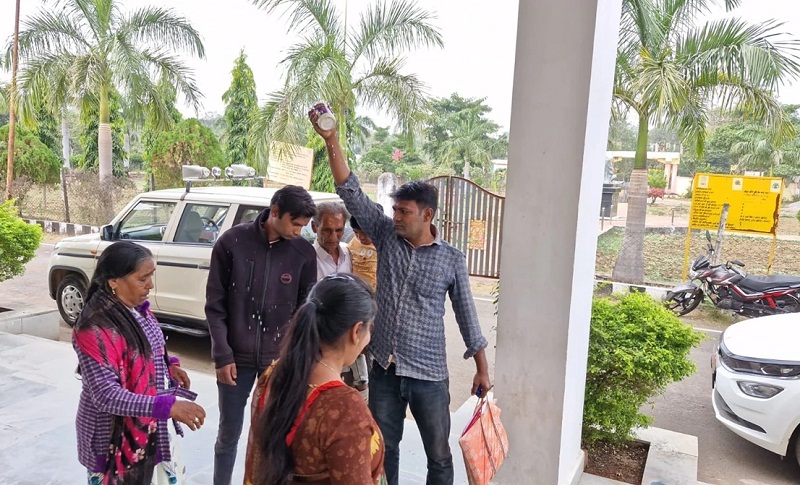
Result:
{"points": [[470, 218]]}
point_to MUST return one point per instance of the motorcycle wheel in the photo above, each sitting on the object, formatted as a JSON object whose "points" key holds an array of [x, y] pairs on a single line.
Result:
{"points": [[789, 304], [685, 301]]}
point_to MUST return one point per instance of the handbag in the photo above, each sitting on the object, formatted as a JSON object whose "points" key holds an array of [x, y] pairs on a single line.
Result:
{"points": [[484, 443]]}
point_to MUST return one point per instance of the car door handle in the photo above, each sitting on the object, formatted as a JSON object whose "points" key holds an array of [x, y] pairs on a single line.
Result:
{"points": [[204, 266]]}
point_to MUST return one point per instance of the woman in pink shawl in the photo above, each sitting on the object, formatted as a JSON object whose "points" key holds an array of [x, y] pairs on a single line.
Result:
{"points": [[131, 388]]}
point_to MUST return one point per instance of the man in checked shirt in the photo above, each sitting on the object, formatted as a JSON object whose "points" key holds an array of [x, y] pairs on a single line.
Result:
{"points": [[416, 269]]}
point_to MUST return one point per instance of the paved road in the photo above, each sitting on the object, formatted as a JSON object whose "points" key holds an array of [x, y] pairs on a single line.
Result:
{"points": [[685, 407]]}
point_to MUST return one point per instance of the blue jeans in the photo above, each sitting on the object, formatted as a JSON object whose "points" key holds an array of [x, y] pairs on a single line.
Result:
{"points": [[389, 396], [232, 402]]}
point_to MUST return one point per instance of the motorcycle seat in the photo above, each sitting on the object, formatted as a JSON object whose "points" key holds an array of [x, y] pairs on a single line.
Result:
{"points": [[765, 283]]}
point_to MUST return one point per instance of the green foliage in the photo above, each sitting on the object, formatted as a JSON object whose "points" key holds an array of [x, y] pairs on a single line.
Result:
{"points": [[153, 124], [321, 175], [32, 158], [390, 153], [18, 241], [797, 215], [656, 179], [636, 348], [241, 106], [46, 128], [216, 123], [458, 132], [90, 121], [347, 64], [720, 142], [675, 68], [188, 143]]}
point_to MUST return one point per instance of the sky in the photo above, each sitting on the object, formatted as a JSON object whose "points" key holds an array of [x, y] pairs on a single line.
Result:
{"points": [[476, 61]]}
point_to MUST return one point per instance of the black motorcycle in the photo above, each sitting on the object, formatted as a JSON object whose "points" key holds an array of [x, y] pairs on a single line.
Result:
{"points": [[729, 287]]}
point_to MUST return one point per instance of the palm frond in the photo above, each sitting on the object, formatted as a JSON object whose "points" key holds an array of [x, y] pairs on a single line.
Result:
{"points": [[46, 81], [318, 71], [660, 86], [4, 96], [46, 32], [278, 120], [154, 26], [88, 12], [639, 26], [733, 94], [307, 15], [403, 96], [758, 53], [389, 29], [163, 64], [691, 122]]}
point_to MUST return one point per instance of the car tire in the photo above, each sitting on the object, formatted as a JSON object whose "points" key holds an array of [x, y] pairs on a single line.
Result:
{"points": [[796, 446], [70, 298]]}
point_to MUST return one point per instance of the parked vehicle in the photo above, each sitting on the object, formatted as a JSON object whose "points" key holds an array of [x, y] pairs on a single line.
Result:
{"points": [[729, 287], [756, 382], [180, 228]]}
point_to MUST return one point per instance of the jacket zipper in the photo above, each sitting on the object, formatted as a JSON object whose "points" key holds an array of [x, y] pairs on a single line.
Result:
{"points": [[252, 264], [260, 327]]}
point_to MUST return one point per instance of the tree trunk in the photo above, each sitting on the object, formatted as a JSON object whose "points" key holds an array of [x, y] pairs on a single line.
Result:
{"points": [[104, 155], [629, 267], [65, 149], [12, 107], [466, 168]]}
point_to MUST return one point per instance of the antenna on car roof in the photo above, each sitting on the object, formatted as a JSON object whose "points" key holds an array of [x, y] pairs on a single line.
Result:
{"points": [[196, 173]]}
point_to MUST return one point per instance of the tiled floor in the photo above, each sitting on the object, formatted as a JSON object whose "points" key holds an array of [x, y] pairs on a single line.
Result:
{"points": [[39, 394]]}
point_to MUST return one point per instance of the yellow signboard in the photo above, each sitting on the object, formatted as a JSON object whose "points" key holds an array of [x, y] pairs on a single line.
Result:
{"points": [[755, 202], [477, 234]]}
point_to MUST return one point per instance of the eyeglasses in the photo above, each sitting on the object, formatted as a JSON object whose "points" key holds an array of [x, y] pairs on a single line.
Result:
{"points": [[339, 276]]}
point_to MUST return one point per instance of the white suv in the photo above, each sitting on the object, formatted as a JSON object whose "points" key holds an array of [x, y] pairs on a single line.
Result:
{"points": [[756, 380], [180, 227]]}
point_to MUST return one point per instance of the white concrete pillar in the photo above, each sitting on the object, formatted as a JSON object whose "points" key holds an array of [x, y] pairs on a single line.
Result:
{"points": [[674, 180], [387, 183], [559, 124]]}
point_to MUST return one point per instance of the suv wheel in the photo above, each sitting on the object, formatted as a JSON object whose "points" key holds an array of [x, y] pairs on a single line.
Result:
{"points": [[70, 296]]}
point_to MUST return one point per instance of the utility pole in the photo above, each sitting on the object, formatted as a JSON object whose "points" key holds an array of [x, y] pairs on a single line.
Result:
{"points": [[12, 101]]}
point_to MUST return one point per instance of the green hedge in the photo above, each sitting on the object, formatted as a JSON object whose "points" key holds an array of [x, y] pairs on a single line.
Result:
{"points": [[636, 348], [18, 241]]}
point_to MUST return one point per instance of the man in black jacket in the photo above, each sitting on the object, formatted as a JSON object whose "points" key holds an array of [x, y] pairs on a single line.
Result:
{"points": [[260, 273]]}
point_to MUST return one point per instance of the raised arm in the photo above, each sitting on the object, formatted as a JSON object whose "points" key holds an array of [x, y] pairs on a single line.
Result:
{"points": [[335, 154], [371, 219]]}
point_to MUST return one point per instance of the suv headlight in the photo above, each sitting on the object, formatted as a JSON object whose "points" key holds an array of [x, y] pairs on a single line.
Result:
{"points": [[750, 366], [759, 390]]}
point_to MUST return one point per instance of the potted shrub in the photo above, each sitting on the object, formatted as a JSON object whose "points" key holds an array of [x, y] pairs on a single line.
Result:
{"points": [[636, 348]]}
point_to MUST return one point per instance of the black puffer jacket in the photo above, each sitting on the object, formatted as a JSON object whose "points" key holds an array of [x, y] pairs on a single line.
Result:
{"points": [[253, 289]]}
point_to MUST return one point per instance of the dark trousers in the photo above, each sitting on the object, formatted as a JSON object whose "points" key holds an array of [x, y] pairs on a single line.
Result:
{"points": [[232, 402], [389, 397]]}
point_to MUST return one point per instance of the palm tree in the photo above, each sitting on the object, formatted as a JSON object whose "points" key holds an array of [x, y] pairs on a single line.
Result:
{"points": [[86, 49], [673, 73], [346, 68], [762, 155], [469, 142]]}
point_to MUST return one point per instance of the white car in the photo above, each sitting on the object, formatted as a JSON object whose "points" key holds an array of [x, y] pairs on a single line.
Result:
{"points": [[756, 379], [180, 227]]}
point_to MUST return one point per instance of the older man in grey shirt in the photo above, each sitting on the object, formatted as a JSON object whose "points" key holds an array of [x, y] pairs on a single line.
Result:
{"points": [[416, 271]]}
